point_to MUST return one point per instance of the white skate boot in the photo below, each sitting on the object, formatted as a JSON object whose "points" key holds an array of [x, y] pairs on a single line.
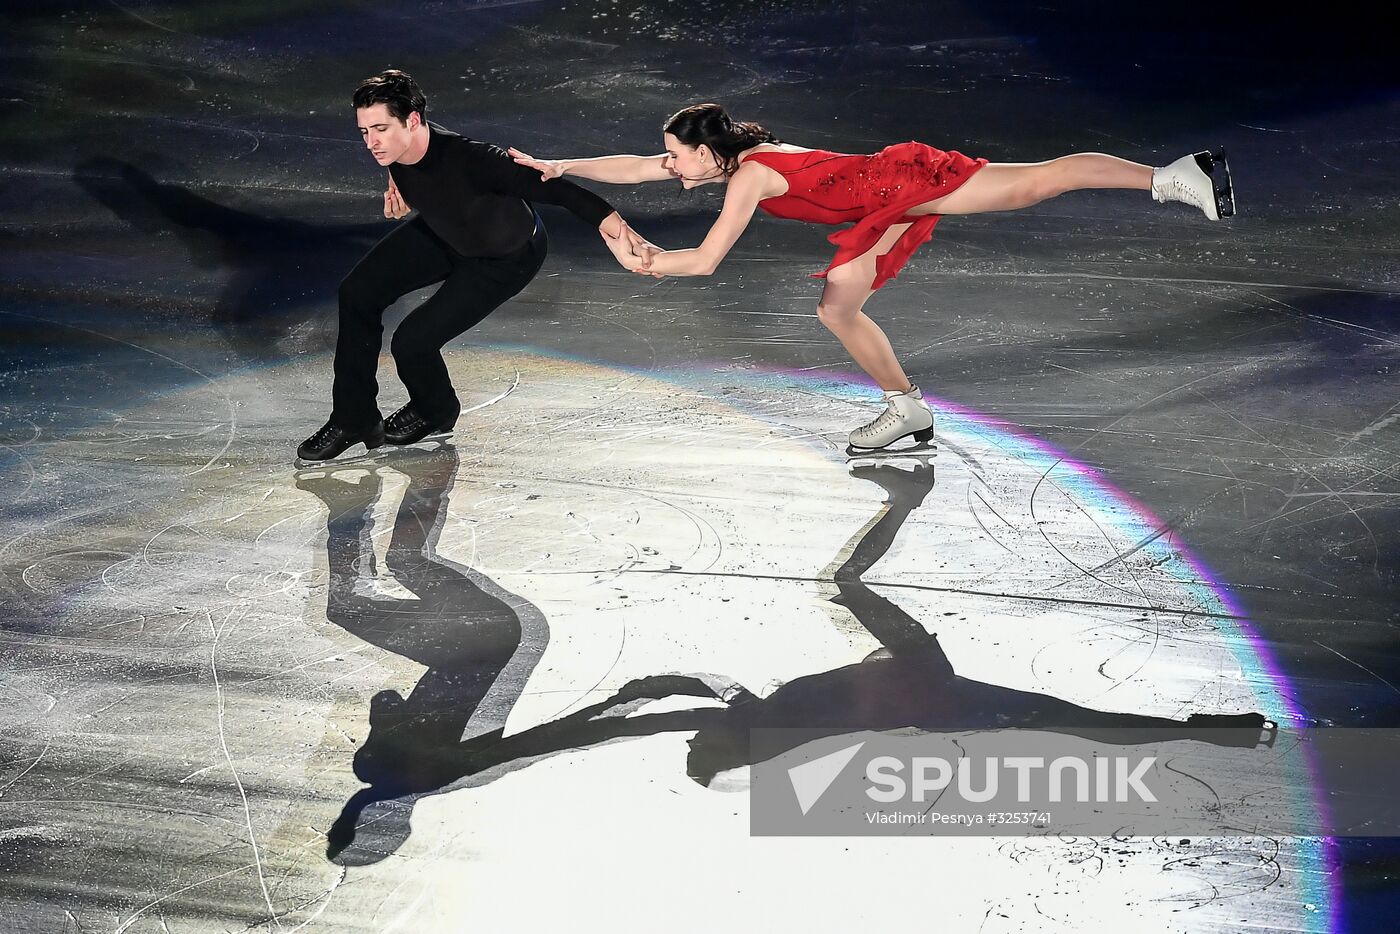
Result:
{"points": [[906, 413], [1201, 179]]}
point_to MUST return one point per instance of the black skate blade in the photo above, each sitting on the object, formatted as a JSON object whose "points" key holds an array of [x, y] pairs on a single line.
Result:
{"points": [[371, 456], [374, 456], [438, 437], [1217, 169], [1223, 184]]}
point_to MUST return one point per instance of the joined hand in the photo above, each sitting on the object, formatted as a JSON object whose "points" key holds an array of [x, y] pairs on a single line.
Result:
{"points": [[633, 251]]}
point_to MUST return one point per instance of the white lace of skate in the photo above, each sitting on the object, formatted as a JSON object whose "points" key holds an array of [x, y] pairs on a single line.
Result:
{"points": [[884, 420], [1177, 190]]}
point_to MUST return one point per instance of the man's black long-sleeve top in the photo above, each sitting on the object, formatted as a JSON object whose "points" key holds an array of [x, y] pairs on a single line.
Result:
{"points": [[472, 194]]}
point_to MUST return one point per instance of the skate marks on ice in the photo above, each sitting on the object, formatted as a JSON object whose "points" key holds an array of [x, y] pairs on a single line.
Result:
{"points": [[907, 682], [890, 662], [657, 529]]}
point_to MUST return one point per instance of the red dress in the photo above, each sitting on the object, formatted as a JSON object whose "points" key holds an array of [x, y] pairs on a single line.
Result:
{"points": [[871, 191]]}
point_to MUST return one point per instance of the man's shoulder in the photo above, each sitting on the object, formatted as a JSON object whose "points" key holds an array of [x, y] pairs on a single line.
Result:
{"points": [[483, 149], [450, 141], [460, 140], [472, 150]]}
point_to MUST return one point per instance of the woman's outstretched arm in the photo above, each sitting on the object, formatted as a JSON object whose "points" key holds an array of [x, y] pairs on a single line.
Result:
{"points": [[616, 170], [746, 189]]}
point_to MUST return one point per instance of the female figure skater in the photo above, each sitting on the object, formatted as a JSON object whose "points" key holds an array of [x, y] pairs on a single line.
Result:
{"points": [[894, 198]]}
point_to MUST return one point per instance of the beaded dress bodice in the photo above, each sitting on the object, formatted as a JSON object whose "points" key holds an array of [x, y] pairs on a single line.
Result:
{"points": [[874, 192]]}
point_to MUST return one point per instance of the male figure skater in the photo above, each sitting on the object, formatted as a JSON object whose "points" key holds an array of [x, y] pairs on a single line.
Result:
{"points": [[475, 232]]}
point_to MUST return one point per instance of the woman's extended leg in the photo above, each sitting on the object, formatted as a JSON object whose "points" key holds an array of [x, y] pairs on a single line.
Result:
{"points": [[1008, 186], [1201, 179]]}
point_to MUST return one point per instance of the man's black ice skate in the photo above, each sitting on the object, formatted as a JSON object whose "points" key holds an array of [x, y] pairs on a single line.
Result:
{"points": [[333, 440], [1201, 179], [406, 426]]}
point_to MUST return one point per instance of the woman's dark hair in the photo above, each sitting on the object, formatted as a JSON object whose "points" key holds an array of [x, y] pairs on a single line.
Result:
{"points": [[710, 124], [398, 91]]}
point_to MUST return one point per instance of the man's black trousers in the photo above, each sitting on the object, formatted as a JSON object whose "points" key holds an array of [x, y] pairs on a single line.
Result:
{"points": [[410, 258]]}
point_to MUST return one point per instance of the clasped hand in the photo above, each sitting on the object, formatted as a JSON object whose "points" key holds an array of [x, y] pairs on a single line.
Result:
{"points": [[632, 251]]}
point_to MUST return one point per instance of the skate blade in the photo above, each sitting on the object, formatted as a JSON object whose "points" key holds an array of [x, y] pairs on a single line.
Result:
{"points": [[370, 456], [1217, 169], [438, 437], [923, 450]]}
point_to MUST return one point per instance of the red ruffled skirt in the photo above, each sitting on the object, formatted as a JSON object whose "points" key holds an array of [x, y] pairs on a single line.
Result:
{"points": [[896, 179]]}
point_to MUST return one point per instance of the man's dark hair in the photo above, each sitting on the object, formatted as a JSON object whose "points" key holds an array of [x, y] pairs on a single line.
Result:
{"points": [[398, 91]]}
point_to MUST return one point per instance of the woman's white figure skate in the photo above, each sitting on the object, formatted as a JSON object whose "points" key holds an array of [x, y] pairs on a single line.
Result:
{"points": [[1201, 179], [906, 413]]}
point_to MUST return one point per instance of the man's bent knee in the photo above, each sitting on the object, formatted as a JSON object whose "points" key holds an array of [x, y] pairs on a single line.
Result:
{"points": [[356, 296], [405, 345]]}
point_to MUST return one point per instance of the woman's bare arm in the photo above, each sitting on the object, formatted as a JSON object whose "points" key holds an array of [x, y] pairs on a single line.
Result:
{"points": [[616, 170], [746, 189]]}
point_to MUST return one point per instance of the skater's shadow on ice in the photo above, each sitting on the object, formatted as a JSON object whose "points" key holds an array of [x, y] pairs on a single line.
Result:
{"points": [[276, 266], [477, 641], [464, 628]]}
